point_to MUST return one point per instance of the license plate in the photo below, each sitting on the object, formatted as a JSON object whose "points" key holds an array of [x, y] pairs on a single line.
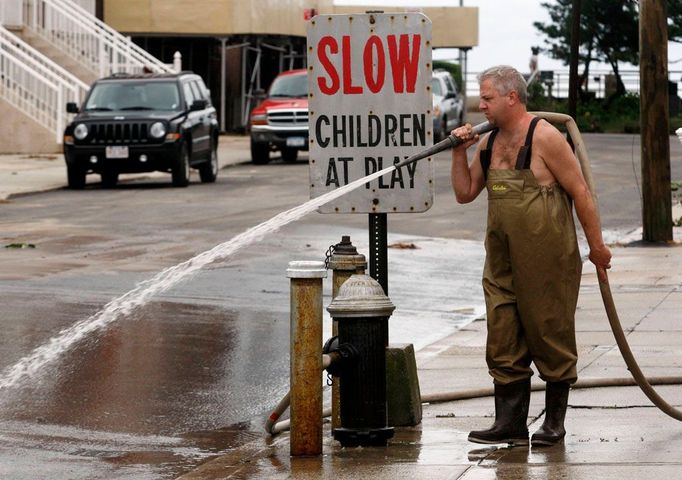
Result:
{"points": [[116, 152], [295, 141]]}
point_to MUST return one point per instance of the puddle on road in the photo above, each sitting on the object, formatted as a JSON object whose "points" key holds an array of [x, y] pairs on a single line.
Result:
{"points": [[156, 394]]}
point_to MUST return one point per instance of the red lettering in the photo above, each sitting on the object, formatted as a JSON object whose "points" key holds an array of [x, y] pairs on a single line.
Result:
{"points": [[327, 88], [403, 64], [348, 87], [374, 84]]}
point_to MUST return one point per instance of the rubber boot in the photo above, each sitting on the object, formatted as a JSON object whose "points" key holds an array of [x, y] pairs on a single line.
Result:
{"points": [[511, 414], [552, 430]]}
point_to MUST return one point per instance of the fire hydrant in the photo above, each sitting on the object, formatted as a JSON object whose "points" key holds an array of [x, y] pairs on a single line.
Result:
{"points": [[344, 261], [362, 311]]}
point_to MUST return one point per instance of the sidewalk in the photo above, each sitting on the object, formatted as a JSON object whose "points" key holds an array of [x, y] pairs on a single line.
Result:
{"points": [[23, 173], [612, 432]]}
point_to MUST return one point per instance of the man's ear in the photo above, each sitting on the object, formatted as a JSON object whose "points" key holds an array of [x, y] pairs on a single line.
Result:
{"points": [[513, 98]]}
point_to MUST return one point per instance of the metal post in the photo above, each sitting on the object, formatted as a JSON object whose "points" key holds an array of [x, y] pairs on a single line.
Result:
{"points": [[378, 249], [258, 61], [306, 356], [223, 41], [242, 114]]}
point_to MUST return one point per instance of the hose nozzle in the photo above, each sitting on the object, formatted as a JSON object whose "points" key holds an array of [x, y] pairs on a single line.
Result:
{"points": [[450, 142]]}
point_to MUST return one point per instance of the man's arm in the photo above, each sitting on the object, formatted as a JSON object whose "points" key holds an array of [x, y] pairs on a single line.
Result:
{"points": [[560, 160], [467, 180]]}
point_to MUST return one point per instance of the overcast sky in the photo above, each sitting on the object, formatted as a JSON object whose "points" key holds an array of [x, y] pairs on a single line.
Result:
{"points": [[506, 34]]}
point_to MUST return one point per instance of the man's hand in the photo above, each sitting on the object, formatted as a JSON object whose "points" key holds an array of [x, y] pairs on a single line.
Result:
{"points": [[466, 133], [601, 257]]}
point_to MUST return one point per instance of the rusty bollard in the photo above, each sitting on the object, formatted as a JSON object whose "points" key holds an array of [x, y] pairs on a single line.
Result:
{"points": [[306, 356]]}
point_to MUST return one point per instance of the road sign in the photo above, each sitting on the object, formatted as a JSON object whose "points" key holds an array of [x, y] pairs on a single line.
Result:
{"points": [[369, 78]]}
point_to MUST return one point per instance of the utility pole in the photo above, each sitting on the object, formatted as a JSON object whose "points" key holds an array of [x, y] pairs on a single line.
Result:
{"points": [[573, 72], [654, 122]]}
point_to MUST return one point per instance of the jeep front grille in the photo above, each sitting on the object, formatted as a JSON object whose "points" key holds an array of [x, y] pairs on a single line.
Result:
{"points": [[119, 133], [288, 117]]}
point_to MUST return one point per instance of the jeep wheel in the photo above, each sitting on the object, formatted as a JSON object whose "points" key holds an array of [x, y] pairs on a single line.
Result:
{"points": [[260, 152], [109, 179], [76, 177], [289, 155], [208, 171], [180, 170]]}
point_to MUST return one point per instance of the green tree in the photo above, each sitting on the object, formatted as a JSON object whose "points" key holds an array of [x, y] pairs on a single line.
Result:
{"points": [[675, 20], [609, 33]]}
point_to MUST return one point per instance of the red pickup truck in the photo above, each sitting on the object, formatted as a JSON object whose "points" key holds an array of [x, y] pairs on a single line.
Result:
{"points": [[280, 122]]}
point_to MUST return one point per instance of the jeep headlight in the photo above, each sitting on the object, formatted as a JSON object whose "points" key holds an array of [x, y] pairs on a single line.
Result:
{"points": [[158, 130], [81, 131]]}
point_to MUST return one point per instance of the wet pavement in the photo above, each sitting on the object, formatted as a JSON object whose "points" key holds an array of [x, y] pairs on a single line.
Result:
{"points": [[116, 405], [613, 433]]}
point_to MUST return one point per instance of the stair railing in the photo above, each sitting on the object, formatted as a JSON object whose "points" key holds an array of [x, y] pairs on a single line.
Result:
{"points": [[35, 84], [87, 39]]}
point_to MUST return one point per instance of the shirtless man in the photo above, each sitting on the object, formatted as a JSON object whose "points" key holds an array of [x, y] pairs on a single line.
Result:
{"points": [[532, 270]]}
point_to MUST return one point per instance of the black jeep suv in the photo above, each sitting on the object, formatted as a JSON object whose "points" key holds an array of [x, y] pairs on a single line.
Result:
{"points": [[143, 123]]}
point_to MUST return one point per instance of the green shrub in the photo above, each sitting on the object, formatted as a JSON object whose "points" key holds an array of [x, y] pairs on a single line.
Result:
{"points": [[596, 115]]}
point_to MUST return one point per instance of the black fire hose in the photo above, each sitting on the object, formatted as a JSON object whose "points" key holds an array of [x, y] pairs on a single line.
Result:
{"points": [[450, 142], [604, 287]]}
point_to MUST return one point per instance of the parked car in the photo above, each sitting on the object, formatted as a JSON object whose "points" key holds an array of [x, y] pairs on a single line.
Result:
{"points": [[143, 123], [280, 122], [448, 104]]}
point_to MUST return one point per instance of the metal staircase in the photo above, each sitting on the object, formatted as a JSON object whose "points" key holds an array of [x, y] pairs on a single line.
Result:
{"points": [[71, 35]]}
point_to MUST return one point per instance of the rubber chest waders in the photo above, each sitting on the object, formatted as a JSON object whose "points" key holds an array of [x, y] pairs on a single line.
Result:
{"points": [[532, 273]]}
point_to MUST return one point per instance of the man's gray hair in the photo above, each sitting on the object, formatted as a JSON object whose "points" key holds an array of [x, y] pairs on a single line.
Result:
{"points": [[505, 79]]}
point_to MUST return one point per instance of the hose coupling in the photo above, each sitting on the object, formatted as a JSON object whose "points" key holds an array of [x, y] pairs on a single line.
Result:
{"points": [[342, 355]]}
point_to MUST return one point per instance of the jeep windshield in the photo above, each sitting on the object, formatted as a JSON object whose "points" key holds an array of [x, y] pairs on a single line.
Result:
{"points": [[289, 86], [110, 96]]}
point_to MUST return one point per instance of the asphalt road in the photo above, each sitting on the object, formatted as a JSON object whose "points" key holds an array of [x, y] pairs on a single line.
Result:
{"points": [[191, 372]]}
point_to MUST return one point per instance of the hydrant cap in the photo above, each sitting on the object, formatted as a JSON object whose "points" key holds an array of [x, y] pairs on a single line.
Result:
{"points": [[346, 256], [361, 296], [306, 269]]}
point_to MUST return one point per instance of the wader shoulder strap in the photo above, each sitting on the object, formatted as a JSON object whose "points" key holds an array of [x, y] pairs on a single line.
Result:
{"points": [[487, 154], [523, 159]]}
